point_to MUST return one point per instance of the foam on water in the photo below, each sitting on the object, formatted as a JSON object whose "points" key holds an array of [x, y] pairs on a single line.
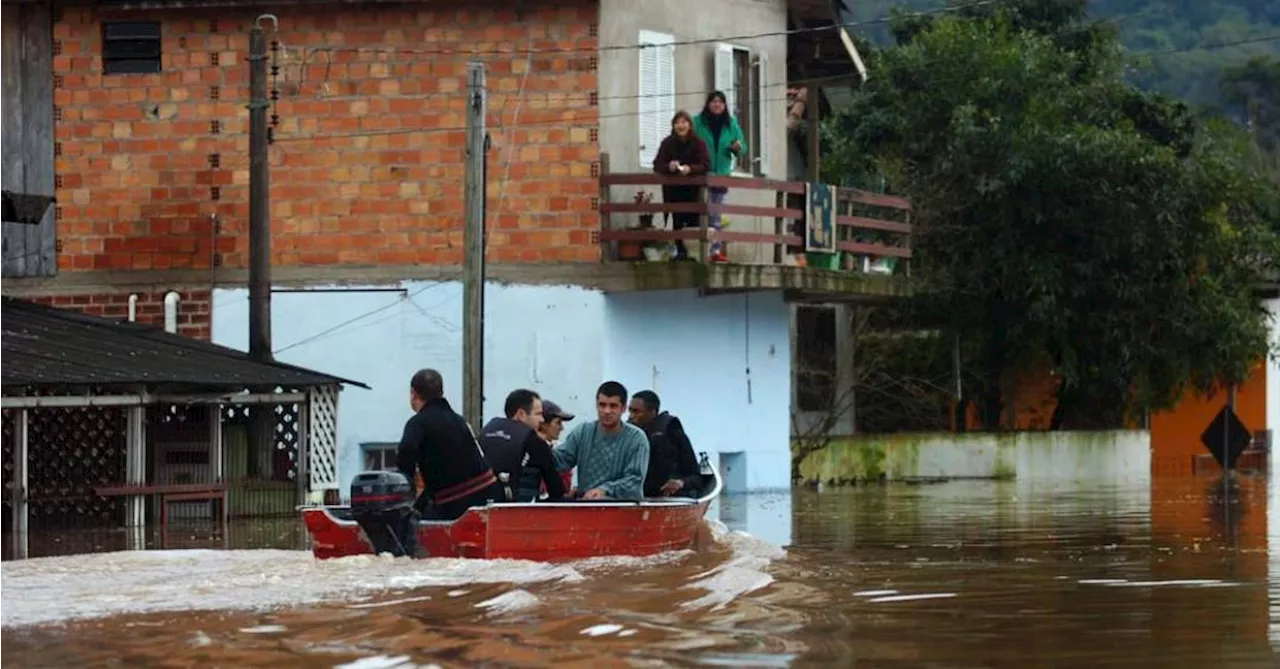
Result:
{"points": [[57, 589], [741, 574], [385, 662]]}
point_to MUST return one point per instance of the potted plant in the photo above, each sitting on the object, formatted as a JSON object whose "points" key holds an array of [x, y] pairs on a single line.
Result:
{"points": [[646, 218]]}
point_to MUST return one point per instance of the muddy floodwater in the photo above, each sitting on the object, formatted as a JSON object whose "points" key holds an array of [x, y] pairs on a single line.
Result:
{"points": [[1165, 574]]}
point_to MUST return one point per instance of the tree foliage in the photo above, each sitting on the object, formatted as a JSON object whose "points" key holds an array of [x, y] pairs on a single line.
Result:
{"points": [[1065, 219], [1181, 37]]}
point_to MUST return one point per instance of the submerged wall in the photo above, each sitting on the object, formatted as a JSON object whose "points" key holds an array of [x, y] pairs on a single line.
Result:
{"points": [[722, 364], [1112, 455], [547, 338]]}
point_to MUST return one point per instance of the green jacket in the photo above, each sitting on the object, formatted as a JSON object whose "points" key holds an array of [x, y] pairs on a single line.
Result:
{"points": [[722, 159]]}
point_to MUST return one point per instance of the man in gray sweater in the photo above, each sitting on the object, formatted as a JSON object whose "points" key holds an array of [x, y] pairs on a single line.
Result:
{"points": [[612, 457]]}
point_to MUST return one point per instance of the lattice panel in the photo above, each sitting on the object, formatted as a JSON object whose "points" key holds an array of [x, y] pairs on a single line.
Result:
{"points": [[322, 434], [72, 451], [282, 464]]}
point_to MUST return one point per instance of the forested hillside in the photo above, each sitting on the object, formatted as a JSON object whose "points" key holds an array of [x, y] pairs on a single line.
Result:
{"points": [[1179, 39]]}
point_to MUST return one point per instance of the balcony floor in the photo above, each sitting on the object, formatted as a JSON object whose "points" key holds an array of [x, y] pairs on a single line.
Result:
{"points": [[804, 284]]}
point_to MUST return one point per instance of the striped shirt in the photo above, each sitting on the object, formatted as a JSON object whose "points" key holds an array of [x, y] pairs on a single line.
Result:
{"points": [[615, 462]]}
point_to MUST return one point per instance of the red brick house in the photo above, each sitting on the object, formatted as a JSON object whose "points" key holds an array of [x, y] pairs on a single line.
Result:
{"points": [[137, 123], [132, 113]]}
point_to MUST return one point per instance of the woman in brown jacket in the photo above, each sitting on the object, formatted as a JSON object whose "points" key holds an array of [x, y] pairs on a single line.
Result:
{"points": [[682, 153]]}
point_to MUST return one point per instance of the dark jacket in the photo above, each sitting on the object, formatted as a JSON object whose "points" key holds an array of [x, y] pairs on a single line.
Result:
{"points": [[439, 442], [691, 151], [515, 449], [671, 457]]}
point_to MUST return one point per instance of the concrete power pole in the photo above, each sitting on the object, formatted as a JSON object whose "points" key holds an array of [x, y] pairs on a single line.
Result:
{"points": [[473, 249], [259, 200], [262, 418]]}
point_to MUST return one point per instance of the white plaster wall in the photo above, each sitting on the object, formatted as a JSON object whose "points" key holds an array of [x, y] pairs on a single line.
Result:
{"points": [[545, 338], [695, 352], [620, 24]]}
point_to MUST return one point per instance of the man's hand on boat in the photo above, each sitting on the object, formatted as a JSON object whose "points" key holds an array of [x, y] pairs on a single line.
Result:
{"points": [[672, 487], [594, 493]]}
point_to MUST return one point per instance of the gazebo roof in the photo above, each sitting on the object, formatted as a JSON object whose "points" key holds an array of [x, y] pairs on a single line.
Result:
{"points": [[44, 346]]}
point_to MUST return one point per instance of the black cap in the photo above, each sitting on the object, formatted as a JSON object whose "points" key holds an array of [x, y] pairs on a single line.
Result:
{"points": [[552, 410]]}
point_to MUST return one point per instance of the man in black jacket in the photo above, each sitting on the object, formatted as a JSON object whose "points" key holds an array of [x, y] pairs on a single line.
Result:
{"points": [[439, 443], [512, 446], [673, 468]]}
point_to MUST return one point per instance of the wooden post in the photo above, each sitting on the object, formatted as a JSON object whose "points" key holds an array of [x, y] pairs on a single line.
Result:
{"points": [[473, 243], [815, 124], [704, 249], [21, 434], [779, 227], [608, 250]]}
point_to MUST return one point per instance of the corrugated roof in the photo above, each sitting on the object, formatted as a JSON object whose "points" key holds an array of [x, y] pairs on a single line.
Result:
{"points": [[47, 346]]}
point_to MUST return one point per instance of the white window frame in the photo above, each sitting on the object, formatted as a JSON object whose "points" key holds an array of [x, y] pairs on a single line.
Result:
{"points": [[724, 66], [656, 98], [385, 453]]}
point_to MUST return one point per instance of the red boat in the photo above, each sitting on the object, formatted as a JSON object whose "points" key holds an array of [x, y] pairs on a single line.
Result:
{"points": [[544, 531]]}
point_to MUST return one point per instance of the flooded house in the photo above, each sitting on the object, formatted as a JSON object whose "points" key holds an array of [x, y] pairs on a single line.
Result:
{"points": [[133, 115]]}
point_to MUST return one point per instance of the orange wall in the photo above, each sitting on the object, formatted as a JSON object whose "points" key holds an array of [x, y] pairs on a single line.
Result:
{"points": [[1175, 434]]}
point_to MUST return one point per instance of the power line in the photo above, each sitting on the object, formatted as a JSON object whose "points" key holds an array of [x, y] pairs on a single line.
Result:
{"points": [[355, 319], [592, 118], [1210, 47], [638, 46]]}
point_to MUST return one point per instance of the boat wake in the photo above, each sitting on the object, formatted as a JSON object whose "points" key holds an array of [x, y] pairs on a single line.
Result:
{"points": [[78, 587], [75, 587], [742, 573]]}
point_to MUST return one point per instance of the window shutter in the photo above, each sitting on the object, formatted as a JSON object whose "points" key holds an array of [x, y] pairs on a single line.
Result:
{"points": [[724, 76], [766, 108], [657, 91]]}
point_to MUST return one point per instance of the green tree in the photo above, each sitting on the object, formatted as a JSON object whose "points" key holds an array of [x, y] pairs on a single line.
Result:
{"points": [[1064, 218]]}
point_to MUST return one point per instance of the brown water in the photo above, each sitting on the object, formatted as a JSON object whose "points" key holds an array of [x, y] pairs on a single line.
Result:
{"points": [[1167, 575]]}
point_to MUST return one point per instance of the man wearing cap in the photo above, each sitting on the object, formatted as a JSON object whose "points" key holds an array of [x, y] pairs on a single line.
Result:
{"points": [[553, 420]]}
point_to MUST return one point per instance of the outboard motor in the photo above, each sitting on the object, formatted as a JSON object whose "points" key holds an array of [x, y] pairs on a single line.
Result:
{"points": [[382, 504]]}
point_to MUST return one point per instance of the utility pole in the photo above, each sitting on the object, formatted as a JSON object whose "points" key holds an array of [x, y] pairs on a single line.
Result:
{"points": [[262, 418], [259, 200], [473, 249]]}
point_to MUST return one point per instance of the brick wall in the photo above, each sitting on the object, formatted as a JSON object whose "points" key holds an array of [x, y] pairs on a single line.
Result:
{"points": [[145, 162], [194, 308]]}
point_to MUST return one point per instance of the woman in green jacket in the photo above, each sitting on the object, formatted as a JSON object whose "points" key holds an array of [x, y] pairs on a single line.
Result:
{"points": [[725, 142]]}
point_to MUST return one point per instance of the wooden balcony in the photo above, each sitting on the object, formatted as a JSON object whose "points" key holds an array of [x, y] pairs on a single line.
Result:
{"points": [[872, 238]]}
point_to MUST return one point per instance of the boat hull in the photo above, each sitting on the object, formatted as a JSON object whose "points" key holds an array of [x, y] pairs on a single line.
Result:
{"points": [[545, 531]]}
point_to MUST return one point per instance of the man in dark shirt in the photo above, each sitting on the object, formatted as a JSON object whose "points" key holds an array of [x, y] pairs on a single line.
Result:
{"points": [[512, 446], [673, 468], [439, 442]]}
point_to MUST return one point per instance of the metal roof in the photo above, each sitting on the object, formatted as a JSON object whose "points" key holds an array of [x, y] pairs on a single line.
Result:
{"points": [[46, 346]]}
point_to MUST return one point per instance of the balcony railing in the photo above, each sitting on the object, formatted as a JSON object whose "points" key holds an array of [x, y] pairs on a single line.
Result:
{"points": [[869, 228]]}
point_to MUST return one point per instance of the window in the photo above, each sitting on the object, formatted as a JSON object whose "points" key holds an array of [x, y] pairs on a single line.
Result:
{"points": [[379, 457], [742, 75], [131, 47], [657, 92]]}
